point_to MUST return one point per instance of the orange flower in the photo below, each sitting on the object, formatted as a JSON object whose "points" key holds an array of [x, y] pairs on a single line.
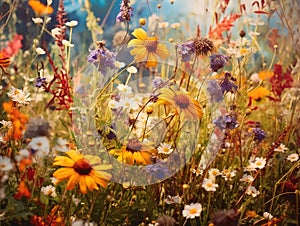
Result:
{"points": [[86, 170], [18, 120], [258, 93], [263, 75], [23, 191], [39, 8], [147, 48]]}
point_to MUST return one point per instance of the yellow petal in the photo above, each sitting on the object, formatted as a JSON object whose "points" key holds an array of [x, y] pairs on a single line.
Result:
{"points": [[72, 181], [162, 51], [139, 33], [135, 43], [63, 161], [92, 159], [63, 173], [82, 185], [102, 167], [74, 155], [91, 184], [138, 158], [151, 61], [140, 54]]}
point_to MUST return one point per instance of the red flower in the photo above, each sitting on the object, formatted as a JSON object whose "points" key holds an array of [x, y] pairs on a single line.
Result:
{"points": [[280, 81], [13, 46]]}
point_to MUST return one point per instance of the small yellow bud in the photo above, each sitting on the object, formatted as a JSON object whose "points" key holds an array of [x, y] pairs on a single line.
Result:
{"points": [[142, 21]]}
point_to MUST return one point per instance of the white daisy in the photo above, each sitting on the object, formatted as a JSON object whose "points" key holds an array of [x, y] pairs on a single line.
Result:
{"points": [[208, 185], [40, 51], [40, 145], [132, 70], [191, 211], [281, 148], [228, 174], [124, 89], [19, 95], [72, 23], [37, 20], [61, 145], [5, 164], [165, 148], [49, 190], [293, 157], [251, 190], [247, 178]]}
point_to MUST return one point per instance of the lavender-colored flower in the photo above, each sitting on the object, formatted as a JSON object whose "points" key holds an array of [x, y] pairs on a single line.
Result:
{"points": [[227, 85], [226, 122], [126, 12], [39, 82], [214, 90], [158, 170], [259, 134], [186, 50], [102, 58], [218, 61], [157, 82]]}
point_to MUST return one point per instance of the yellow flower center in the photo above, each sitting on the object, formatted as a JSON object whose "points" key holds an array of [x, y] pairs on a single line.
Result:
{"points": [[133, 145], [182, 101], [151, 44], [193, 211], [82, 167]]}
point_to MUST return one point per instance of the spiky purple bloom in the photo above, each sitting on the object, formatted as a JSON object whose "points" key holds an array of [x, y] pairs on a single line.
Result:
{"points": [[214, 90], [39, 82], [218, 61], [186, 50], [259, 134], [226, 122], [227, 85], [125, 13], [103, 59]]}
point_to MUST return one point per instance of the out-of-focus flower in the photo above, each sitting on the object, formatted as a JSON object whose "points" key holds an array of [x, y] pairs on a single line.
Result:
{"points": [[120, 37], [13, 46], [134, 152], [203, 46], [72, 23], [214, 90], [86, 170], [209, 185], [157, 82], [23, 191], [37, 20], [225, 217], [18, 120], [132, 70], [213, 173], [19, 96], [40, 51], [264, 75], [4, 61], [281, 148], [259, 134], [175, 25], [163, 24], [267, 216], [226, 122], [5, 164], [191, 211], [258, 163], [182, 102], [218, 61], [186, 50], [165, 220], [251, 190], [49, 190], [102, 58], [37, 127], [228, 174], [39, 8], [247, 178], [147, 48], [39, 82], [61, 145], [258, 93], [293, 157], [55, 31], [67, 43], [126, 12], [124, 89], [40, 146], [165, 148]]}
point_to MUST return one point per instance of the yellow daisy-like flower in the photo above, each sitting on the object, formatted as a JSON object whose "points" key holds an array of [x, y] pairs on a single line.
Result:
{"points": [[258, 93], [147, 48], [182, 102], [134, 152], [86, 170]]}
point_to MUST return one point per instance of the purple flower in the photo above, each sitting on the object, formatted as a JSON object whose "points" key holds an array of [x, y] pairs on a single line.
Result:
{"points": [[259, 134], [158, 170], [157, 82], [227, 85], [226, 122], [39, 82], [186, 50], [218, 61], [103, 59], [126, 12], [214, 90]]}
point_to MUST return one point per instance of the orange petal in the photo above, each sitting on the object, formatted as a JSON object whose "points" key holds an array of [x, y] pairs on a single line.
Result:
{"points": [[82, 185], [151, 61], [72, 181], [63, 173]]}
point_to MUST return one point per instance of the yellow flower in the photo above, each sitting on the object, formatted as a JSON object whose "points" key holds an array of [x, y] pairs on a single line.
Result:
{"points": [[182, 102], [263, 75], [147, 48], [86, 170], [134, 153], [258, 93]]}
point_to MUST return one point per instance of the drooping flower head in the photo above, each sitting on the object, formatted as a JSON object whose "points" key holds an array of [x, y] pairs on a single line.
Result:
{"points": [[102, 58], [85, 170], [126, 12], [147, 48], [182, 102]]}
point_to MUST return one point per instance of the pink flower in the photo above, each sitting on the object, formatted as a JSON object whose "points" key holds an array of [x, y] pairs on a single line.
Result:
{"points": [[13, 46]]}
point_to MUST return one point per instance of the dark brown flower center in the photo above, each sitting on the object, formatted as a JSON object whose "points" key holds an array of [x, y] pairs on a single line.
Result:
{"points": [[82, 167], [133, 145], [182, 101], [151, 45], [203, 46]]}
